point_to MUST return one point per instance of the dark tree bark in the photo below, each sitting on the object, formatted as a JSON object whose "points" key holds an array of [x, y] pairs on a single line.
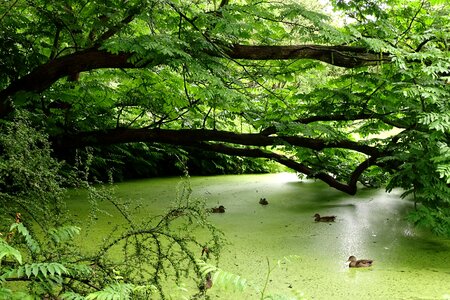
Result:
{"points": [[189, 137], [45, 75], [212, 140], [349, 188], [342, 56]]}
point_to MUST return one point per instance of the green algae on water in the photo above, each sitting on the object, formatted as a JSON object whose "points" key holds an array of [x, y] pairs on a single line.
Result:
{"points": [[408, 263]]}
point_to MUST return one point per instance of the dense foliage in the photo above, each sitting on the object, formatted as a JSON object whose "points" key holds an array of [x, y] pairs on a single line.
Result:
{"points": [[358, 94], [245, 79], [40, 256]]}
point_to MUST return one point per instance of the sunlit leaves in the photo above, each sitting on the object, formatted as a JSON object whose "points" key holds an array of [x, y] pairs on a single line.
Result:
{"points": [[443, 162], [120, 291], [436, 121], [150, 49], [220, 278], [41, 269]]}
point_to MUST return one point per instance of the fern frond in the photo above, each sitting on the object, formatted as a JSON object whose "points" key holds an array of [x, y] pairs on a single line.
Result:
{"points": [[41, 269], [112, 292], [31, 243], [5, 293], [64, 233], [72, 296], [7, 250], [122, 291], [222, 279]]}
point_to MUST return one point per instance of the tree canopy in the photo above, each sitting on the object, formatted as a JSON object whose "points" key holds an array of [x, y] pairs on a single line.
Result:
{"points": [[356, 95]]}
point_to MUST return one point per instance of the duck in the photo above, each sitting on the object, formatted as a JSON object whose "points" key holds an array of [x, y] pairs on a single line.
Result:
{"points": [[263, 201], [361, 263], [220, 209], [318, 218], [205, 285], [208, 281], [205, 250]]}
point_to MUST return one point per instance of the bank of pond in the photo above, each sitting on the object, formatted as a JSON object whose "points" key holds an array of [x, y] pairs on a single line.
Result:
{"points": [[312, 256]]}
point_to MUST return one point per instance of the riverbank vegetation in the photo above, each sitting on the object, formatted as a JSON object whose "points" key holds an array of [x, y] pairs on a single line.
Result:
{"points": [[132, 88]]}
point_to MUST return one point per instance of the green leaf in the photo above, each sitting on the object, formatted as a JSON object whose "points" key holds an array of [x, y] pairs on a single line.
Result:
{"points": [[35, 269], [72, 296], [30, 241], [44, 269], [7, 250], [28, 270], [64, 233], [112, 292]]}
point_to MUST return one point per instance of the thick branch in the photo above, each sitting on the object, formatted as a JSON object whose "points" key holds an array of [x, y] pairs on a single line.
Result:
{"points": [[344, 117], [45, 75], [360, 169], [223, 3], [342, 56], [189, 137], [259, 153], [206, 139]]}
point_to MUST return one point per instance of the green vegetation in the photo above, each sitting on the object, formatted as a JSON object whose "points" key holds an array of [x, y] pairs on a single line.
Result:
{"points": [[129, 89], [39, 250]]}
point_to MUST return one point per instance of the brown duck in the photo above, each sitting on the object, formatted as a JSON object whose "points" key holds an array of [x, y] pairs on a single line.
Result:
{"points": [[216, 210], [318, 218], [361, 263], [208, 282], [263, 201]]}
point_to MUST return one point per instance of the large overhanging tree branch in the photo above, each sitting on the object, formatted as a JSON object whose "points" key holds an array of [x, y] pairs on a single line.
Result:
{"points": [[343, 117], [341, 56], [189, 136], [229, 54], [349, 187], [42, 77], [213, 140]]}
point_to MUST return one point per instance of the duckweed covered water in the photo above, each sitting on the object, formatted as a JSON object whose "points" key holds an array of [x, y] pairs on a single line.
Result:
{"points": [[409, 263]]}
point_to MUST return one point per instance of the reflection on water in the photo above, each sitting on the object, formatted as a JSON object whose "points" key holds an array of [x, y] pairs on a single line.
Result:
{"points": [[408, 263]]}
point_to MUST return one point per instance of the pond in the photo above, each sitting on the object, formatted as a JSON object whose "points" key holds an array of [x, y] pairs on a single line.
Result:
{"points": [[408, 263]]}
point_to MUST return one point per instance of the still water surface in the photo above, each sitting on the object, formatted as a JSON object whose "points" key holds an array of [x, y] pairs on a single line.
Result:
{"points": [[409, 263]]}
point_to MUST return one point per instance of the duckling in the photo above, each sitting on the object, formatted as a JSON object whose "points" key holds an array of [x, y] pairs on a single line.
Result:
{"points": [[220, 209], [318, 218], [263, 201], [361, 263]]}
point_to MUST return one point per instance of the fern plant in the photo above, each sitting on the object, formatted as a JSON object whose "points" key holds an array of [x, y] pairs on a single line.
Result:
{"points": [[221, 279], [140, 259], [26, 261]]}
